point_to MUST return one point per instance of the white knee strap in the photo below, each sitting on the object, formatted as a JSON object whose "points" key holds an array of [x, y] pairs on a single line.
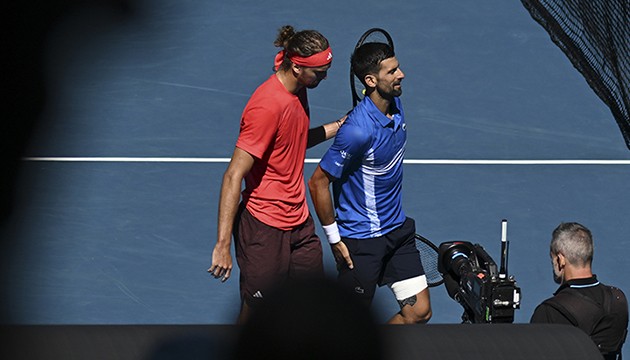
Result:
{"points": [[409, 287]]}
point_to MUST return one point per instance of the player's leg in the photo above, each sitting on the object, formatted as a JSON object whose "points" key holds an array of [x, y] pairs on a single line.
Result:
{"points": [[361, 281], [244, 314], [262, 254], [306, 259], [404, 274], [414, 300]]}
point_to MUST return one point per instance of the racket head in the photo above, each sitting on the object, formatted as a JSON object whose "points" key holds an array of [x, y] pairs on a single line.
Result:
{"points": [[429, 254], [372, 35]]}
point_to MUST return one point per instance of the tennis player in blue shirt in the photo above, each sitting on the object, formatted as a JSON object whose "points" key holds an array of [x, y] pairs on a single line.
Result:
{"points": [[370, 236]]}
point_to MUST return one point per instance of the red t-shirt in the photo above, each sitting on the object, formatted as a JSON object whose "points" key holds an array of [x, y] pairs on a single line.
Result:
{"points": [[274, 130]]}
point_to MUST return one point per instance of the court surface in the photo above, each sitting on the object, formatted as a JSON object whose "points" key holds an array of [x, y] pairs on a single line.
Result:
{"points": [[117, 209]]}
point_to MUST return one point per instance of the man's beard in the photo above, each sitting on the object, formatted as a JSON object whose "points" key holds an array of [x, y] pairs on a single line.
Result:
{"points": [[391, 93]]}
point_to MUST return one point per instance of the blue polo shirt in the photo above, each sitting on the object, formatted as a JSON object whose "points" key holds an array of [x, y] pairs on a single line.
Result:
{"points": [[366, 160]]}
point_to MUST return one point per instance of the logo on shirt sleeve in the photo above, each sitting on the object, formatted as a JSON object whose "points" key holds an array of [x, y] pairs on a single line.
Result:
{"points": [[345, 155]]}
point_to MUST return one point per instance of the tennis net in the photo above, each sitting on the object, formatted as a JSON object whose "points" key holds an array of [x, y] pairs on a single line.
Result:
{"points": [[595, 36]]}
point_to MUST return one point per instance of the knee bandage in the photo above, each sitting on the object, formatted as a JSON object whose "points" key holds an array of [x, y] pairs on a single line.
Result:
{"points": [[409, 287]]}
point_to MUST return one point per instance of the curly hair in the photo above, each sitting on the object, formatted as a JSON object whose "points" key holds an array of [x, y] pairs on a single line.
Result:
{"points": [[302, 43]]}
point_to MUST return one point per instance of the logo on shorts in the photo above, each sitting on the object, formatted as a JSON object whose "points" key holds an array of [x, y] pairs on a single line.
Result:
{"points": [[258, 295], [359, 290]]}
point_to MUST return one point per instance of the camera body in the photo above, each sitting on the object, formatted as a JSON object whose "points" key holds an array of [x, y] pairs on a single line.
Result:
{"points": [[473, 279]]}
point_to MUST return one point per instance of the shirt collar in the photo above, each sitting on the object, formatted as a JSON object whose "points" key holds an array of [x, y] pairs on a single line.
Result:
{"points": [[379, 116], [579, 283]]}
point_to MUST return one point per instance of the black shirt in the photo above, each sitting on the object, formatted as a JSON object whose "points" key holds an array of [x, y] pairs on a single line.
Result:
{"points": [[589, 287], [601, 311]]}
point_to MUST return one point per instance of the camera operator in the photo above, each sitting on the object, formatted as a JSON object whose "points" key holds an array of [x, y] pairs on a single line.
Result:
{"points": [[581, 300]]}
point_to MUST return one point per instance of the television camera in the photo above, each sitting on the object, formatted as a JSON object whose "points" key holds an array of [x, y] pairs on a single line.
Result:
{"points": [[471, 277]]}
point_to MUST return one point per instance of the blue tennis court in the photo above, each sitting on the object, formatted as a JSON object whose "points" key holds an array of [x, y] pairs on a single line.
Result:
{"points": [[117, 201]]}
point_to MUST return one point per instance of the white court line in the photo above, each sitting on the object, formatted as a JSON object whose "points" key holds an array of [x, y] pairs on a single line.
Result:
{"points": [[315, 161], [130, 159]]}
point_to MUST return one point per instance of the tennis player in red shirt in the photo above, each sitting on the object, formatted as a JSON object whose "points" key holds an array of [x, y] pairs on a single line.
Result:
{"points": [[274, 233]]}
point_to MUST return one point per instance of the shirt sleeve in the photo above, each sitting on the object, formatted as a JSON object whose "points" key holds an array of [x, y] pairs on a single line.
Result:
{"points": [[349, 146], [258, 129]]}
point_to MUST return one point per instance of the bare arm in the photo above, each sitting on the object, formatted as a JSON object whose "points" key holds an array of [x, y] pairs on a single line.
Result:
{"points": [[240, 165], [319, 187], [324, 132]]}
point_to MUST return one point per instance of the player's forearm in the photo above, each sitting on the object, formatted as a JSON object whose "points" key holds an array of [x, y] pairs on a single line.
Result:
{"points": [[322, 200], [332, 127], [228, 206], [319, 186], [324, 209], [322, 133]]}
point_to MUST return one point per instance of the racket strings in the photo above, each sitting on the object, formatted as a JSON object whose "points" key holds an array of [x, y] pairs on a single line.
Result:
{"points": [[429, 257]]}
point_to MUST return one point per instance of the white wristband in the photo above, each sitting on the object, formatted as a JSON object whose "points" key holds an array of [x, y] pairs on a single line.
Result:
{"points": [[332, 233]]}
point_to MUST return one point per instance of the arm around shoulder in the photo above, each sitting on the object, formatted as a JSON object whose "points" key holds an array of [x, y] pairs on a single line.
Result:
{"points": [[322, 133]]}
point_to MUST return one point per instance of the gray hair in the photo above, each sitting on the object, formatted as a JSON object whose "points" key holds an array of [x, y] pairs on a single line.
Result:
{"points": [[575, 242]]}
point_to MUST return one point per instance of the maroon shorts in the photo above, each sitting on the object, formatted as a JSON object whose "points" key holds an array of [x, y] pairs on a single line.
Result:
{"points": [[267, 257]]}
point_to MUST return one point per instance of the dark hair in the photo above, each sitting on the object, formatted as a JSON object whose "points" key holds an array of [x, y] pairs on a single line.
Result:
{"points": [[367, 59], [303, 43]]}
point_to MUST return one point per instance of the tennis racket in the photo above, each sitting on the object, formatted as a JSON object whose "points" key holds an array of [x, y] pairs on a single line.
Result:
{"points": [[429, 256], [372, 35]]}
